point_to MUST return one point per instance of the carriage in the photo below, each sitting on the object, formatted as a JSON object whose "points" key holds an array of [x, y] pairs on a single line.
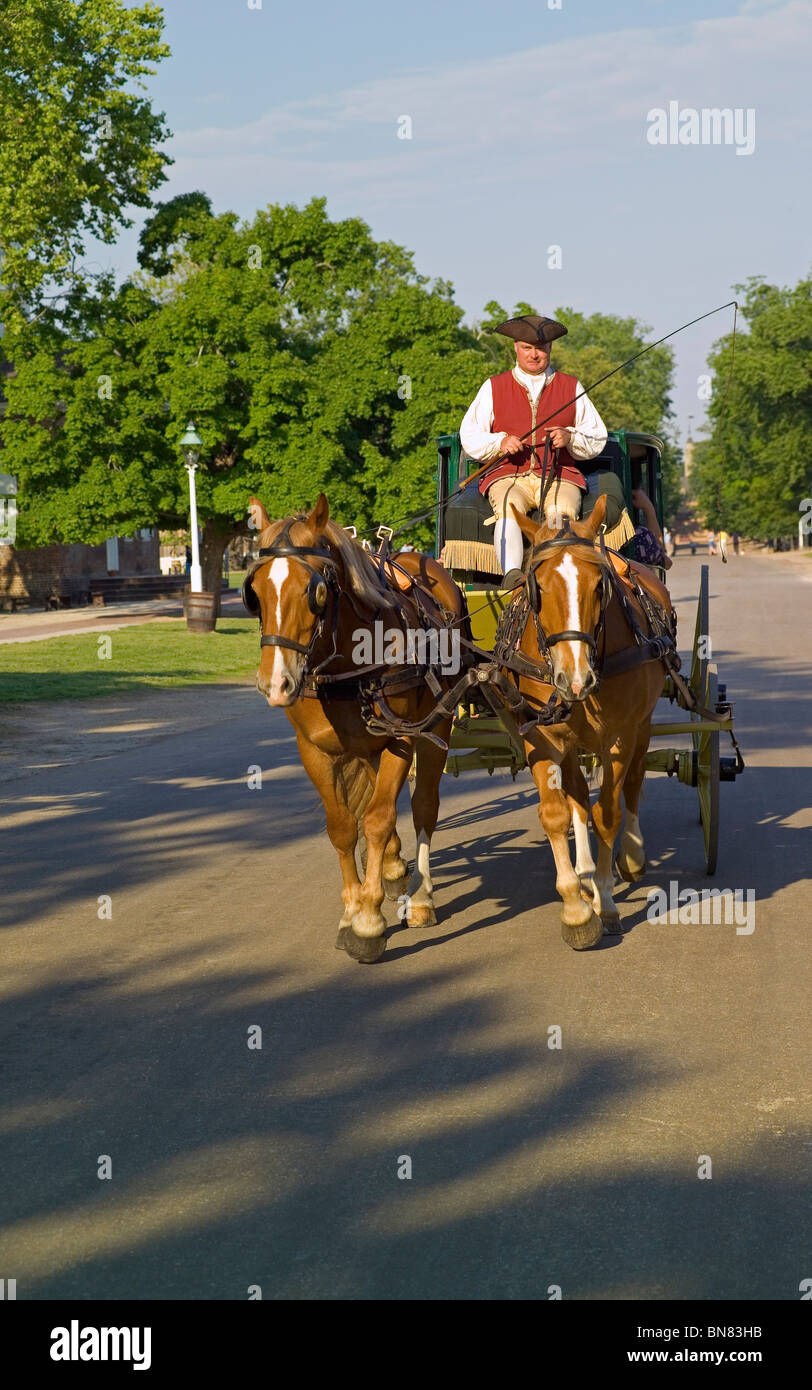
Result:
{"points": [[587, 624], [485, 735]]}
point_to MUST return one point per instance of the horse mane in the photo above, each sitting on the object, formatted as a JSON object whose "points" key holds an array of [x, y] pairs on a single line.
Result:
{"points": [[360, 571], [579, 528]]}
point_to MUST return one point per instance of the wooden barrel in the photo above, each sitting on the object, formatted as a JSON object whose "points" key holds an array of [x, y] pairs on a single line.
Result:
{"points": [[200, 611]]}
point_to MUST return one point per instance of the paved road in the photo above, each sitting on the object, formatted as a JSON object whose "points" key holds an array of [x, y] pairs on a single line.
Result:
{"points": [[531, 1166], [33, 626]]}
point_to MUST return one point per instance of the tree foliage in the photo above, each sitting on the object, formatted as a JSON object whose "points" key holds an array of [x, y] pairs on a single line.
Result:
{"points": [[79, 141], [753, 472], [310, 356]]}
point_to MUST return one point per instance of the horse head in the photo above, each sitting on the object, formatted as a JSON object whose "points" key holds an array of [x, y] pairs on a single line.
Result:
{"points": [[570, 580], [306, 563]]}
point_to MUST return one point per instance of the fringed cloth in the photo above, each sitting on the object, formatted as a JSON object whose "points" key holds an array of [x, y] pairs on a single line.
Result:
{"points": [[481, 557]]}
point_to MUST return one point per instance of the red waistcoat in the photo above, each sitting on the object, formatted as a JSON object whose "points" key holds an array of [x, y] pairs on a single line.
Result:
{"points": [[514, 413]]}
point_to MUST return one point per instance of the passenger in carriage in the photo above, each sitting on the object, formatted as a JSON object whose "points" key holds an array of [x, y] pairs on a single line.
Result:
{"points": [[649, 546], [506, 407]]}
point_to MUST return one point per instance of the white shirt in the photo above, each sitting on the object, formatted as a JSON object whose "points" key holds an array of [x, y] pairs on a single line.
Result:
{"points": [[587, 435]]}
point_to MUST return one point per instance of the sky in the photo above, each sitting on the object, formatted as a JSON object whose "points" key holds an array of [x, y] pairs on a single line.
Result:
{"points": [[530, 128]]}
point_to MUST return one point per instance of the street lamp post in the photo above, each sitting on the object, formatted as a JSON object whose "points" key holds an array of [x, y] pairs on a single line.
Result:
{"points": [[191, 443]]}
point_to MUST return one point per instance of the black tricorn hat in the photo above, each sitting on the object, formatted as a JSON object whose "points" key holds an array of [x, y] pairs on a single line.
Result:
{"points": [[532, 328]]}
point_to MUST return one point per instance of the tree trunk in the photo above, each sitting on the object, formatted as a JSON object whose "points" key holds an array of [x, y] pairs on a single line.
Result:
{"points": [[216, 536]]}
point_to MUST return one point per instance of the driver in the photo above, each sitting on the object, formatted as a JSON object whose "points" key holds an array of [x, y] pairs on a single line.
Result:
{"points": [[506, 407]]}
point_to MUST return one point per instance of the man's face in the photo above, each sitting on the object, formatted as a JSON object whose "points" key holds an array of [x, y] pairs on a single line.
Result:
{"points": [[533, 357]]}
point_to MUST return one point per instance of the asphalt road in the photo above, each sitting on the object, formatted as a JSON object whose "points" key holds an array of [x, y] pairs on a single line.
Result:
{"points": [[531, 1166]]}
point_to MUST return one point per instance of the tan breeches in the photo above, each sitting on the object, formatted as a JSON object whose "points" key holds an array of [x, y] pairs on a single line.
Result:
{"points": [[524, 493]]}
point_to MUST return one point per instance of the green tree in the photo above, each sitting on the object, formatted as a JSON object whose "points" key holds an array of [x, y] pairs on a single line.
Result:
{"points": [[310, 356], [756, 468], [79, 142]]}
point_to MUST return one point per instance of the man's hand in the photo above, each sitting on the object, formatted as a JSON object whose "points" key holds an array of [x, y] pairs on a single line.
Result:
{"points": [[559, 437], [511, 444]]}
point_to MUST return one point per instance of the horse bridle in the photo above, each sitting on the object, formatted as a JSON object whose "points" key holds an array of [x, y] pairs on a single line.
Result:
{"points": [[567, 537], [321, 583]]}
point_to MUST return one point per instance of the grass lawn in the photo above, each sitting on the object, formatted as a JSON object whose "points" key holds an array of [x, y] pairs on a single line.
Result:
{"points": [[156, 655]]}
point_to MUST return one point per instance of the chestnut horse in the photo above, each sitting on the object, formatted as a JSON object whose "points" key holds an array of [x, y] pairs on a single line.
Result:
{"points": [[315, 594], [581, 614]]}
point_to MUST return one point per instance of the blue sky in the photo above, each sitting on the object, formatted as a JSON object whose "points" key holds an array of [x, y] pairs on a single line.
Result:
{"points": [[529, 129]]}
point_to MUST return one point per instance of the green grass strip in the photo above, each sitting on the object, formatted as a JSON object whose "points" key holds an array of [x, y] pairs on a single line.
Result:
{"points": [[148, 657]]}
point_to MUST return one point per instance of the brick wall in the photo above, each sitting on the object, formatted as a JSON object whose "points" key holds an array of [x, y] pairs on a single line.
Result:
{"points": [[66, 570]]}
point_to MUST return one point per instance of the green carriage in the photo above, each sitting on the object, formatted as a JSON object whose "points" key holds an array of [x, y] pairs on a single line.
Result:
{"points": [[485, 736]]}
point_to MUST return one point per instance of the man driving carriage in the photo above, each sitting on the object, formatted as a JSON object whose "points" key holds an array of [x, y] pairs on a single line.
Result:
{"points": [[506, 407]]}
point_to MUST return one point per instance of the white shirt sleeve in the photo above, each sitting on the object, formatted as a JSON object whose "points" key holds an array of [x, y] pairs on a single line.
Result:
{"points": [[476, 435], [588, 434]]}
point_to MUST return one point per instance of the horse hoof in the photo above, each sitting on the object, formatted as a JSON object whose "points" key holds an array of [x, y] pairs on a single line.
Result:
{"points": [[627, 873], [342, 933], [584, 935], [420, 915], [612, 924], [394, 888], [364, 949]]}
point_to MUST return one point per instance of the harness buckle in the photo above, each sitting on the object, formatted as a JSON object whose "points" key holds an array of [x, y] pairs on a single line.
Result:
{"points": [[351, 531], [385, 533]]}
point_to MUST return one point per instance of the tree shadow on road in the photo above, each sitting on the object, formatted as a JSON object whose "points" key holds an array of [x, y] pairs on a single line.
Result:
{"points": [[235, 1167]]}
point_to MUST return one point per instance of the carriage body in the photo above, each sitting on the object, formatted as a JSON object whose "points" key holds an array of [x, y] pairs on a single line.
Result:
{"points": [[483, 740]]}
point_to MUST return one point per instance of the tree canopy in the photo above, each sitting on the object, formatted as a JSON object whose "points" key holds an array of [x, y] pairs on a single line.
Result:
{"points": [[754, 470], [79, 141], [310, 356]]}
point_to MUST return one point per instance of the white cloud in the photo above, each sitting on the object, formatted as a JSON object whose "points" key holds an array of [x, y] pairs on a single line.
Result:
{"points": [[529, 115]]}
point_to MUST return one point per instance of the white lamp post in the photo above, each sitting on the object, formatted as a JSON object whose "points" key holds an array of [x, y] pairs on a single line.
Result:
{"points": [[191, 443]]}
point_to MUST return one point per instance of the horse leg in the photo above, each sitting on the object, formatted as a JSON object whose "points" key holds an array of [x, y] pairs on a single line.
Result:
{"points": [[425, 809], [342, 826], [631, 859], [580, 927], [577, 793], [606, 820], [365, 939], [395, 868]]}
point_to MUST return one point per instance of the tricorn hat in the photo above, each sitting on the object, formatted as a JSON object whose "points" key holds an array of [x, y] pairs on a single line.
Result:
{"points": [[532, 328]]}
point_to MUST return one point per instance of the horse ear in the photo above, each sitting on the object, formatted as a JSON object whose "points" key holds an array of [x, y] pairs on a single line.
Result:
{"points": [[320, 514], [597, 516], [530, 528], [259, 516]]}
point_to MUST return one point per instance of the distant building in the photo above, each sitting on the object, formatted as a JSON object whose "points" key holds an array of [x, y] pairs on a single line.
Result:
{"points": [[688, 457], [59, 575]]}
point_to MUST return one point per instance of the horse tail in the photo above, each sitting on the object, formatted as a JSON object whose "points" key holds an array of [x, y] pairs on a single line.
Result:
{"points": [[357, 785]]}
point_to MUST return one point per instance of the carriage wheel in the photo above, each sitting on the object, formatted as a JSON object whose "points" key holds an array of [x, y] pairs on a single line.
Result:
{"points": [[706, 749]]}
